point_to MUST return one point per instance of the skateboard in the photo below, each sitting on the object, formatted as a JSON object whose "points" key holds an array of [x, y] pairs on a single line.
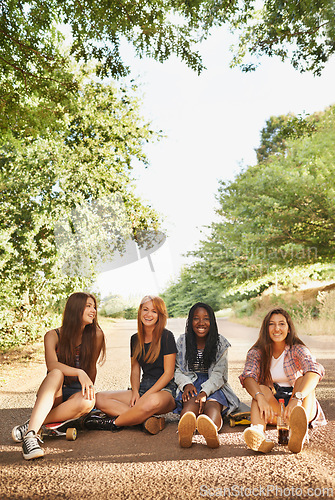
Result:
{"points": [[69, 429], [241, 418]]}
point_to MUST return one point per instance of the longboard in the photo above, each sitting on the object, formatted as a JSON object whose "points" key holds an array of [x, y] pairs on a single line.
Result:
{"points": [[68, 429]]}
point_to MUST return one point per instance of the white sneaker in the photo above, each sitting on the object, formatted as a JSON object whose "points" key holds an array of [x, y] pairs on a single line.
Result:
{"points": [[256, 440]]}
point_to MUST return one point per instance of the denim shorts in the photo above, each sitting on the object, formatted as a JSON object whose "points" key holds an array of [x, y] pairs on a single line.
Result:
{"points": [[69, 390], [147, 382], [284, 393]]}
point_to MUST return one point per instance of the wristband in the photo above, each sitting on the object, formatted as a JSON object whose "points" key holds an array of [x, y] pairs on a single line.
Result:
{"points": [[259, 392]]}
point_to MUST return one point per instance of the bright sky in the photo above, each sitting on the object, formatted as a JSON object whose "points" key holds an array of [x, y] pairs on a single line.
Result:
{"points": [[212, 123]]}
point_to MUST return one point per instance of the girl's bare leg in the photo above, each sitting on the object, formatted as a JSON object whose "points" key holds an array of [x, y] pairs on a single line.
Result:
{"points": [[192, 406], [74, 407], [309, 403], [113, 403], [49, 406], [213, 411], [148, 405], [49, 391]]}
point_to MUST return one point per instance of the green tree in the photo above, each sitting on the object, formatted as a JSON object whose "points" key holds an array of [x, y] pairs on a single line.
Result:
{"points": [[37, 74], [192, 286], [38, 78], [276, 220], [302, 32], [78, 180]]}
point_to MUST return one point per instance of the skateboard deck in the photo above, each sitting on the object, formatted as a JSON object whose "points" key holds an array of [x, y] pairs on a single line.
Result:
{"points": [[240, 418], [69, 429]]}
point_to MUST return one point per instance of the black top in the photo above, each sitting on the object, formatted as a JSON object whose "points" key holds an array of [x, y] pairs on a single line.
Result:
{"points": [[168, 346]]}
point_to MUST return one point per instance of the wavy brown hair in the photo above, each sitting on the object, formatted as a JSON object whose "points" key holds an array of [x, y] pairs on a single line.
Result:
{"points": [[155, 344], [71, 327], [265, 344]]}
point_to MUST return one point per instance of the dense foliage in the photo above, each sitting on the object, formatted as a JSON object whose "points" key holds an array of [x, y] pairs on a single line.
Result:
{"points": [[67, 202], [277, 222], [40, 40]]}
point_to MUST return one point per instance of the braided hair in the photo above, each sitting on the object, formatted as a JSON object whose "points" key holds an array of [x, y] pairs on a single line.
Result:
{"points": [[212, 339]]}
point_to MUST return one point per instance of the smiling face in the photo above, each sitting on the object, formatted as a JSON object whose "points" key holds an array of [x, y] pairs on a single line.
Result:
{"points": [[90, 312], [149, 314], [201, 323], [278, 328]]}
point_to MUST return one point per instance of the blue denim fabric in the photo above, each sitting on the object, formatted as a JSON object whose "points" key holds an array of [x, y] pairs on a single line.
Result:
{"points": [[218, 395], [148, 382]]}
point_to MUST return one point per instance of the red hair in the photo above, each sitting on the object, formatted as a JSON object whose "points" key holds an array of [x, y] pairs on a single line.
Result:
{"points": [[155, 344]]}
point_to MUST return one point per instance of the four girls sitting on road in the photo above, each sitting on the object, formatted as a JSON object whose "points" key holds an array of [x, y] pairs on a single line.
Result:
{"points": [[279, 365]]}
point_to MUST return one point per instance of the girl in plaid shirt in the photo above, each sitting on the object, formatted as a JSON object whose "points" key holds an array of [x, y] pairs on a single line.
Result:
{"points": [[280, 366]]}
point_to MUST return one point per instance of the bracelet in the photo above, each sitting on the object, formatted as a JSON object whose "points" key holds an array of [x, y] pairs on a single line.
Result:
{"points": [[259, 392]]}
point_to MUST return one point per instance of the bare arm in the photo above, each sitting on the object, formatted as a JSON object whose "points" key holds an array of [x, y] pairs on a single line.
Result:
{"points": [[51, 359], [135, 376], [266, 410]]}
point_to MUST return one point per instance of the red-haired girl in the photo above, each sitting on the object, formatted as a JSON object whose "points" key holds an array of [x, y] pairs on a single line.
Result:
{"points": [[153, 350]]}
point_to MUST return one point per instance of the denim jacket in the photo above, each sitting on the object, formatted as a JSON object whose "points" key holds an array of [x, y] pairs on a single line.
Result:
{"points": [[217, 372]]}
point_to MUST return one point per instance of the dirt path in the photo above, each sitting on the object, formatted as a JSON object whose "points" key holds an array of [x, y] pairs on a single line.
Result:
{"points": [[131, 464]]}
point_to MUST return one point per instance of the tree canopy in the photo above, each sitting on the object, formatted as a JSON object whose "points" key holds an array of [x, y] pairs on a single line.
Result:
{"points": [[69, 196], [38, 78], [274, 217]]}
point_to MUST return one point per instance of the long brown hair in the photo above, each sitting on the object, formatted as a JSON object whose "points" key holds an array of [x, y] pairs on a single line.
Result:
{"points": [[265, 344], [155, 344], [71, 326]]}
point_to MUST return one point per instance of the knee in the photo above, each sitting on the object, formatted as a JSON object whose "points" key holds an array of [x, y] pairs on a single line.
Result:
{"points": [[152, 404], [56, 375], [85, 405]]}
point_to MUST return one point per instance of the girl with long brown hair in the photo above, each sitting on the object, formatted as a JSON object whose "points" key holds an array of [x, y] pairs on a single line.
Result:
{"points": [[71, 354], [280, 366], [153, 351]]}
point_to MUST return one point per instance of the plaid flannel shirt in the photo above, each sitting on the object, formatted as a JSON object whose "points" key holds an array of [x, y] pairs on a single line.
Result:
{"points": [[298, 360]]}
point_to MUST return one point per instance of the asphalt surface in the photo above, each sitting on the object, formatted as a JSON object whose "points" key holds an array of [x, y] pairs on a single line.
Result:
{"points": [[133, 465]]}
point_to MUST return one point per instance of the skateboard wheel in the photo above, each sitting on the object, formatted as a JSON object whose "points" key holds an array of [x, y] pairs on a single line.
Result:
{"points": [[71, 434], [232, 422]]}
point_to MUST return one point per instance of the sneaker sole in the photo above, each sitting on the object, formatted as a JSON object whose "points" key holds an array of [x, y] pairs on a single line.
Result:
{"points": [[186, 428], [14, 437], [154, 424], [257, 442], [34, 454], [298, 429], [207, 428]]}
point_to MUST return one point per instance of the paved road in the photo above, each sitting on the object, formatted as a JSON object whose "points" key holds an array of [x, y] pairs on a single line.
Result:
{"points": [[131, 464]]}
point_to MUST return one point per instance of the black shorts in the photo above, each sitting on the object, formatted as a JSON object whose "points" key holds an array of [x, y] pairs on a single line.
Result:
{"points": [[69, 390], [284, 393]]}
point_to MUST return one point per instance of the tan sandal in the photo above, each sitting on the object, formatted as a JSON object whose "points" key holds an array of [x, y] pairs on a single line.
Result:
{"points": [[256, 440]]}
